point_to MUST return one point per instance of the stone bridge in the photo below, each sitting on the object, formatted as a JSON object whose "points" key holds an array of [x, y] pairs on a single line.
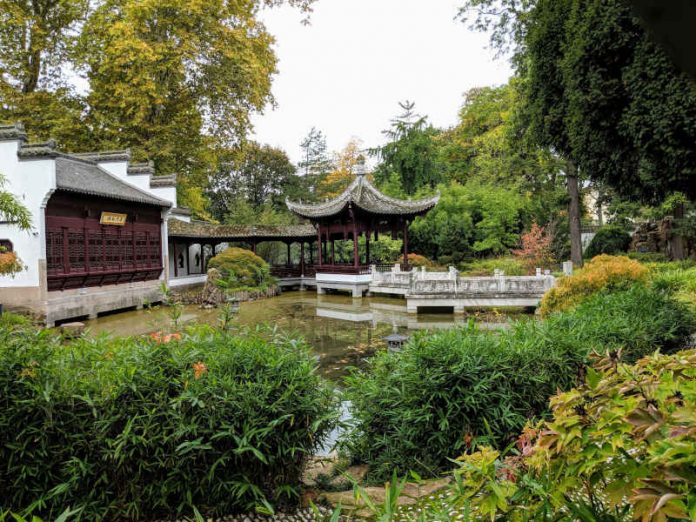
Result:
{"points": [[450, 290]]}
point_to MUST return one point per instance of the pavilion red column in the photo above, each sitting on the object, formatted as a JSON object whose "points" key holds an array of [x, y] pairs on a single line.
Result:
{"points": [[367, 247], [287, 258], [319, 252], [333, 252], [356, 260], [302, 258]]}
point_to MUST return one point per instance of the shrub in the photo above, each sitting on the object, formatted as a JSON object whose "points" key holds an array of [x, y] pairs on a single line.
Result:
{"points": [[636, 322], [648, 257], [417, 261], [242, 269], [140, 429], [415, 409], [610, 239], [679, 282], [602, 272], [536, 251], [620, 447], [486, 267]]}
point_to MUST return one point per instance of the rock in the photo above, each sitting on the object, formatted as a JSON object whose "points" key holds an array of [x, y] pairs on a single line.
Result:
{"points": [[410, 495], [212, 295], [72, 330]]}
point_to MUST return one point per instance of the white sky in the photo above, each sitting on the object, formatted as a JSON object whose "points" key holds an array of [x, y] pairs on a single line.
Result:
{"points": [[346, 72]]}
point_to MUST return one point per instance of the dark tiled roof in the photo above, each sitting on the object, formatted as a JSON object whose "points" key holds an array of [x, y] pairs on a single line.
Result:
{"points": [[362, 194], [13, 131], [84, 177], [181, 211], [103, 156], [46, 149], [203, 230], [136, 169], [163, 181]]}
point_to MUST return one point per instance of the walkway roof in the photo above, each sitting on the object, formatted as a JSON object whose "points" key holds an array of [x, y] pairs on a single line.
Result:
{"points": [[203, 230]]}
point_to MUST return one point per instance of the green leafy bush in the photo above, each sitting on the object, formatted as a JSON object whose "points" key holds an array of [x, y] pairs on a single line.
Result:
{"points": [[610, 239], [485, 267], [142, 428], [242, 269], [636, 321], [415, 409], [679, 282], [475, 219]]}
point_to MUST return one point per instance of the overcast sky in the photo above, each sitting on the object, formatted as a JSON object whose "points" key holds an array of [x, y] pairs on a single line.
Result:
{"points": [[346, 72]]}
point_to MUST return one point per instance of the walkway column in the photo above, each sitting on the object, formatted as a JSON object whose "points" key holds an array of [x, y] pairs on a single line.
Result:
{"points": [[302, 258], [287, 258]]}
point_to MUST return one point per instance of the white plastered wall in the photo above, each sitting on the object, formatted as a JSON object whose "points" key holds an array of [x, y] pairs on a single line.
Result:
{"points": [[32, 182]]}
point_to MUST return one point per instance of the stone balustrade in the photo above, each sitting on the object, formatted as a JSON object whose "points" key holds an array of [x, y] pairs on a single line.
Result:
{"points": [[450, 289]]}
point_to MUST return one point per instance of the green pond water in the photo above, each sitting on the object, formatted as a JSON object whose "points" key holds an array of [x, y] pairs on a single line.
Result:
{"points": [[341, 330]]}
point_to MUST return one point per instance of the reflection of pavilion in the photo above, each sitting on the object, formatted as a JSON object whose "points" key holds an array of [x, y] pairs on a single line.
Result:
{"points": [[391, 313], [361, 210]]}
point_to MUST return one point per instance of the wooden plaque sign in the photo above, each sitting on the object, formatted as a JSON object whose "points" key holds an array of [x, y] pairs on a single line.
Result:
{"points": [[112, 218]]}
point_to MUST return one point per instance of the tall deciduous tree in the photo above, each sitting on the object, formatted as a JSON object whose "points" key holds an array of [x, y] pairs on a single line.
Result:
{"points": [[37, 38], [256, 174], [344, 169]]}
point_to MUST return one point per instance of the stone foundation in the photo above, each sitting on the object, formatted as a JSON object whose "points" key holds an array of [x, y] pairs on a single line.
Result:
{"points": [[89, 302]]}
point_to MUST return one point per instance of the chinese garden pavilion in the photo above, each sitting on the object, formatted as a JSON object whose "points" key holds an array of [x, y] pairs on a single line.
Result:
{"points": [[360, 210]]}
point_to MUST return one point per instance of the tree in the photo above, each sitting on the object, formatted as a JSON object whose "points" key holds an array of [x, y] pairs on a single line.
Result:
{"points": [[174, 80], [13, 212], [344, 169], [315, 160], [256, 174], [411, 152], [37, 39], [603, 95], [487, 144], [475, 219]]}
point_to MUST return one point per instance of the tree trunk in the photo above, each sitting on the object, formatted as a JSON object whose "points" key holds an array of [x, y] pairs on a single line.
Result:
{"points": [[574, 215], [676, 241]]}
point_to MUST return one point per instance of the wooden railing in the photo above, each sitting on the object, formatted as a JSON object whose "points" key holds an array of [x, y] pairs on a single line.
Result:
{"points": [[294, 271], [342, 269]]}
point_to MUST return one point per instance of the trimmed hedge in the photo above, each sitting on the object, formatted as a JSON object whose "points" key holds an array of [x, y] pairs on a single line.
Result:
{"points": [[242, 269], [610, 239], [416, 409], [136, 429]]}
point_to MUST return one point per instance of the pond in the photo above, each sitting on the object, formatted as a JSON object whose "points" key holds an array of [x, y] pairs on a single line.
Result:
{"points": [[341, 330]]}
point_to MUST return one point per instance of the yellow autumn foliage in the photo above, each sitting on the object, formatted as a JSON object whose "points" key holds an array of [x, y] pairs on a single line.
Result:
{"points": [[603, 271]]}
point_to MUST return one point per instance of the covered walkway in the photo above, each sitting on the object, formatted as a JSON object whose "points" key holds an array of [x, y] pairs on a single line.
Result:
{"points": [[191, 245]]}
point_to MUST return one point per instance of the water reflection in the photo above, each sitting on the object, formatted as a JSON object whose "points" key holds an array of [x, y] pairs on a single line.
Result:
{"points": [[341, 330]]}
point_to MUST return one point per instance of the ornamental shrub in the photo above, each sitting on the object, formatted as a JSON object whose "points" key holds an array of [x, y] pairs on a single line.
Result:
{"points": [[416, 409], [602, 272], [619, 447], [417, 261], [610, 239], [242, 269], [136, 429]]}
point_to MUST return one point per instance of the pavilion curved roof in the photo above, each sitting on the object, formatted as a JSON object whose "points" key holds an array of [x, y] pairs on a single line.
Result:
{"points": [[364, 195]]}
